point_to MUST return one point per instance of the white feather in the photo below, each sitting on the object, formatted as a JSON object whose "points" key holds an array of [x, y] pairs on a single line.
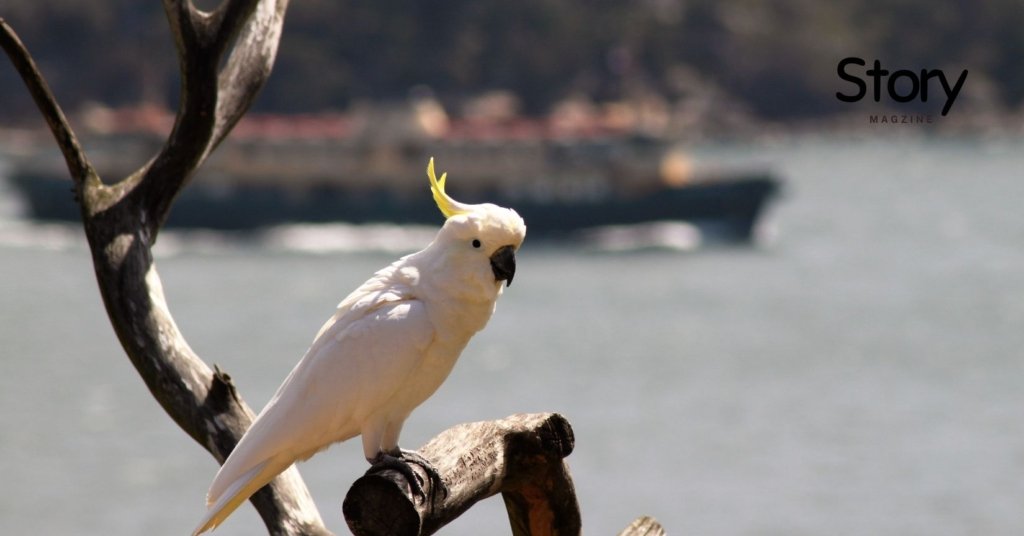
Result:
{"points": [[389, 346]]}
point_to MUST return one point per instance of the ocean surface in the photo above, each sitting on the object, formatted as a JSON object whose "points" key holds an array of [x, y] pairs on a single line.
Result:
{"points": [[859, 371]]}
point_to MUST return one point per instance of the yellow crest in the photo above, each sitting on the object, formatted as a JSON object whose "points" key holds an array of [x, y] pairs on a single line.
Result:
{"points": [[449, 207]]}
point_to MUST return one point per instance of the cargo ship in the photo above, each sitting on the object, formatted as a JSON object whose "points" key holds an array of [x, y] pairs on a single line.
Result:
{"points": [[319, 169]]}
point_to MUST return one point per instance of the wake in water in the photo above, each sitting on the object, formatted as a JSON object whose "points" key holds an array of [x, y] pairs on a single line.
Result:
{"points": [[331, 238], [667, 235], [298, 238]]}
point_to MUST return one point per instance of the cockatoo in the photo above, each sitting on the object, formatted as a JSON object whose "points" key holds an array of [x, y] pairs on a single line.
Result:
{"points": [[389, 346]]}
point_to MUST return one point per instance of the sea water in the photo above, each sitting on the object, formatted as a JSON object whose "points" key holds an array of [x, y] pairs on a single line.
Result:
{"points": [[860, 373]]}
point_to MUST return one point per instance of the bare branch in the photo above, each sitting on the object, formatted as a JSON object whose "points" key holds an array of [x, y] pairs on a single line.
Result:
{"points": [[78, 164], [211, 102], [249, 66], [520, 457], [201, 39], [121, 222]]}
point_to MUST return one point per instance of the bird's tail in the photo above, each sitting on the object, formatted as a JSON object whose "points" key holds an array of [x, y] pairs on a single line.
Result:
{"points": [[220, 507]]}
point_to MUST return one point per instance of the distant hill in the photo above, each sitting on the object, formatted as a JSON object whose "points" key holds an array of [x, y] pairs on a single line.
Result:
{"points": [[769, 60]]}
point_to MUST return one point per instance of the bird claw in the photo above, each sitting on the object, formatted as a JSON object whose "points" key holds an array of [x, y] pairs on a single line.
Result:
{"points": [[400, 460]]}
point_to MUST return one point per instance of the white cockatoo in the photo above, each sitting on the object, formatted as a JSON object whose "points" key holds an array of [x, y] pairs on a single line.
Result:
{"points": [[388, 347]]}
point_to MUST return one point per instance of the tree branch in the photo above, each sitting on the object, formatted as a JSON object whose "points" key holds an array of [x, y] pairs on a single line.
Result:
{"points": [[202, 40], [77, 162], [248, 67], [520, 457], [122, 220]]}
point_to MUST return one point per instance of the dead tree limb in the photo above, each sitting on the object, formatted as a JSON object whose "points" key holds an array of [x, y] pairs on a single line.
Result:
{"points": [[122, 220], [520, 457]]}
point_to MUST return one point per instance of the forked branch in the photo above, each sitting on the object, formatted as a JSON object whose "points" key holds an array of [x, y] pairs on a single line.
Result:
{"points": [[123, 217], [212, 101]]}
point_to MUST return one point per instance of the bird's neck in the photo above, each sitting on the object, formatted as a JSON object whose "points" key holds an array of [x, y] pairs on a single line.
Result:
{"points": [[459, 305], [462, 314]]}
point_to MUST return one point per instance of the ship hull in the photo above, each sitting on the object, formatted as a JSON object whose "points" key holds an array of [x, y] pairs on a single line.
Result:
{"points": [[725, 209]]}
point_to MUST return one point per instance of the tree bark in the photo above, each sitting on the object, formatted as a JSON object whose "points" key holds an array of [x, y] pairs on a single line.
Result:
{"points": [[122, 220], [520, 457]]}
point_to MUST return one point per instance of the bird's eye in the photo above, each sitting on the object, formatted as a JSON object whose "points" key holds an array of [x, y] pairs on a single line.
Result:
{"points": [[476, 243]]}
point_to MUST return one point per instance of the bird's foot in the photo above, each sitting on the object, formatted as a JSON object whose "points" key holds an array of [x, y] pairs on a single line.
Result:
{"points": [[437, 485], [399, 460]]}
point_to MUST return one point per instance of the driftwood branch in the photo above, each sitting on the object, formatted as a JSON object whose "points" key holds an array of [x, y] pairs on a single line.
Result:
{"points": [[520, 457], [122, 219]]}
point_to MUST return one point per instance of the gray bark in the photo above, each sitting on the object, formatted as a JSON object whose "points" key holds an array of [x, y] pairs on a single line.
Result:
{"points": [[123, 218], [520, 457]]}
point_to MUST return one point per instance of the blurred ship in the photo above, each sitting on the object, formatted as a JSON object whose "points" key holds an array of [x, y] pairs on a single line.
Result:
{"points": [[370, 167]]}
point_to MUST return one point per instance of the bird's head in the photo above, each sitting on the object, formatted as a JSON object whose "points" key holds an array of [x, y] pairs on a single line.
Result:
{"points": [[482, 239]]}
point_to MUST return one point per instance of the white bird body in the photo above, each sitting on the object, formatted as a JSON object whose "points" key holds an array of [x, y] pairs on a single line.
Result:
{"points": [[388, 347]]}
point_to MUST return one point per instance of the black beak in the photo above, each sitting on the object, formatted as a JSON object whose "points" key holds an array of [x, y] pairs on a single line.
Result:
{"points": [[503, 264]]}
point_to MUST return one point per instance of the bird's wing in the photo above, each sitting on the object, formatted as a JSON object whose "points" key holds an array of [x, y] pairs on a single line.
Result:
{"points": [[352, 369]]}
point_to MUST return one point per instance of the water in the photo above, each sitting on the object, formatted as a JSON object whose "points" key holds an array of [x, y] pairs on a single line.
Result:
{"points": [[861, 374]]}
